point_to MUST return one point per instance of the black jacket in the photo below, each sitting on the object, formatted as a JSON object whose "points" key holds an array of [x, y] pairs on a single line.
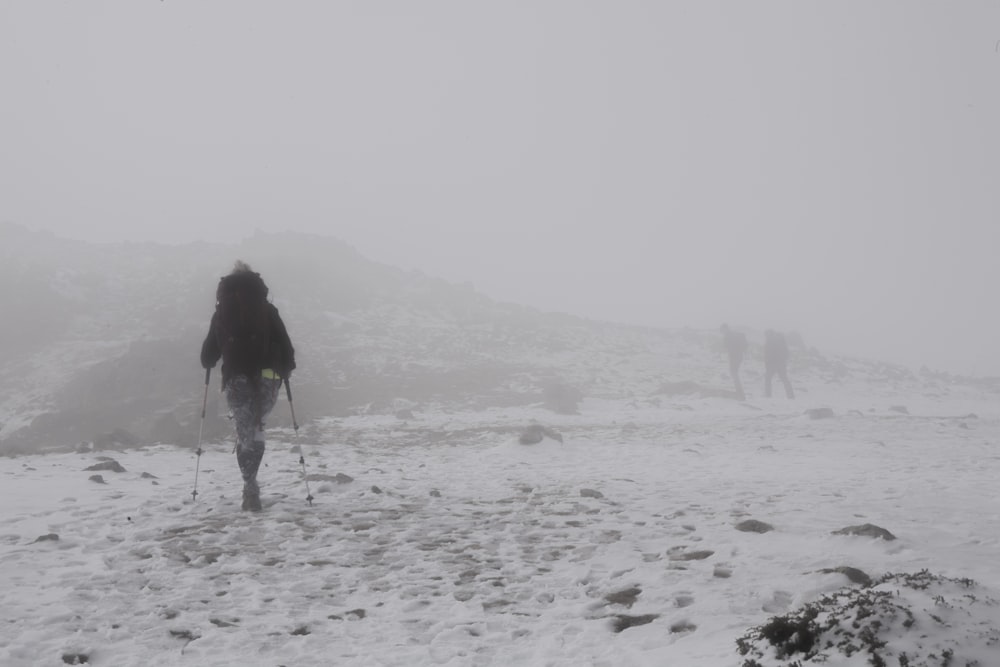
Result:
{"points": [[280, 354]]}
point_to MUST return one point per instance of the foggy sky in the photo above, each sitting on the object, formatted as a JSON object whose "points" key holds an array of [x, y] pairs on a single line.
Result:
{"points": [[828, 168]]}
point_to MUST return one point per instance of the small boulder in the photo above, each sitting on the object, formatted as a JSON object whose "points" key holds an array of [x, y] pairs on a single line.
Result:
{"points": [[107, 464], [535, 433], [852, 573], [754, 526], [866, 530]]}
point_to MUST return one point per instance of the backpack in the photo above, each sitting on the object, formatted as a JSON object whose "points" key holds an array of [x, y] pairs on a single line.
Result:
{"points": [[243, 323]]}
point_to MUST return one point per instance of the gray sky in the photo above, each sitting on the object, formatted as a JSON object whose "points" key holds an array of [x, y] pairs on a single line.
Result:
{"points": [[830, 168]]}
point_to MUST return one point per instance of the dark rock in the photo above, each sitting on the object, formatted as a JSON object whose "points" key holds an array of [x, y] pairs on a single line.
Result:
{"points": [[820, 413], [591, 493], [148, 475], [109, 464], [535, 433], [854, 574], [624, 622], [339, 478], [435, 493], [754, 526], [866, 530], [76, 658], [682, 626], [375, 489], [625, 597], [692, 555], [98, 479], [721, 572], [49, 537]]}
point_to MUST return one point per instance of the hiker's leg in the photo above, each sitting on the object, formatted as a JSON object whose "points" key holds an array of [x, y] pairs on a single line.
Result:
{"points": [[734, 370], [266, 397], [768, 374], [242, 404], [788, 385]]}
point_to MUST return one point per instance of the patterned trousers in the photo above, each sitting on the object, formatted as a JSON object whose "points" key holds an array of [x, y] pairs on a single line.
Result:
{"points": [[249, 406]]}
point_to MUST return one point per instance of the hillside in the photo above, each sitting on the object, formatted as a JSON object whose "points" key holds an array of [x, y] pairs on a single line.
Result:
{"points": [[106, 341]]}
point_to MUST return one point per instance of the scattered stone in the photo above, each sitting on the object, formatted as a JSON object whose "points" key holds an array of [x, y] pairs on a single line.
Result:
{"points": [[109, 464], [49, 537], [866, 530], [820, 413], [624, 622], [692, 555], [356, 614], [625, 597], [99, 479], [901, 409], [339, 478], [76, 658], [754, 526], [435, 493], [147, 475], [682, 626], [591, 493], [854, 574], [535, 433], [218, 622], [183, 634], [721, 572], [375, 489], [301, 630]]}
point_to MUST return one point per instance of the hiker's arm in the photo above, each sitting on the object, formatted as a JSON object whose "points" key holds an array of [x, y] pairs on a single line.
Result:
{"points": [[210, 351]]}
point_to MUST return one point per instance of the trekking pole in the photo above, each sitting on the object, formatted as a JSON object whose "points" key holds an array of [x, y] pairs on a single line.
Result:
{"points": [[201, 429], [302, 458]]}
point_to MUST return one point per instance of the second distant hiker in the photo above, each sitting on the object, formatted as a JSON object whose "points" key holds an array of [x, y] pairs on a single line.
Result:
{"points": [[776, 362]]}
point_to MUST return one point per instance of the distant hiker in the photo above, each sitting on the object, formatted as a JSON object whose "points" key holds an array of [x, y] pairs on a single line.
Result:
{"points": [[248, 334], [736, 347], [776, 362]]}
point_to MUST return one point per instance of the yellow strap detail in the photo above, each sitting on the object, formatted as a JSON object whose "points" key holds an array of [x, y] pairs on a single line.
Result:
{"points": [[269, 374]]}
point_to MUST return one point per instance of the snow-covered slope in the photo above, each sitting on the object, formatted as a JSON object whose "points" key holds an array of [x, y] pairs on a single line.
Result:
{"points": [[651, 535], [105, 338]]}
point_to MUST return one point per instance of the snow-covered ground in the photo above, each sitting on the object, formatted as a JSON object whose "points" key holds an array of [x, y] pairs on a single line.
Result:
{"points": [[441, 540]]}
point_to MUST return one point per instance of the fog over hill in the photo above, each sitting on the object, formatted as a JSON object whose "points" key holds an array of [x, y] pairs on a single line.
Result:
{"points": [[104, 339]]}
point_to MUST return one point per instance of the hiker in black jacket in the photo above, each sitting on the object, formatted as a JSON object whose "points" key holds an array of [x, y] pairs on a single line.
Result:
{"points": [[247, 333]]}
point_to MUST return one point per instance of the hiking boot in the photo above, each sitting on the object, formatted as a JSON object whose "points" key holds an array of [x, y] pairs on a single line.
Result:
{"points": [[251, 496]]}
